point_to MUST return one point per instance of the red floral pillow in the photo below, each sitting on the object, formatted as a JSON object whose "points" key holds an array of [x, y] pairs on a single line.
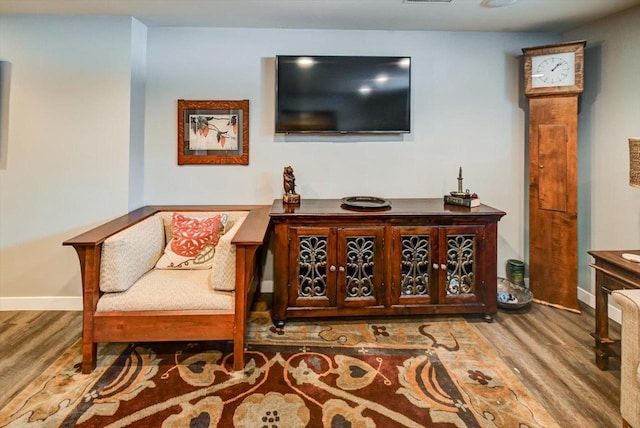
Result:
{"points": [[191, 235]]}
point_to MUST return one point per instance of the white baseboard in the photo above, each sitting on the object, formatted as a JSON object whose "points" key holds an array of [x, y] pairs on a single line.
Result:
{"points": [[54, 303], [43, 303], [614, 312]]}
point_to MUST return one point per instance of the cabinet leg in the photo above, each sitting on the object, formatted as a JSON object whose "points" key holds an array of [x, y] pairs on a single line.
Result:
{"points": [[488, 318], [602, 359]]}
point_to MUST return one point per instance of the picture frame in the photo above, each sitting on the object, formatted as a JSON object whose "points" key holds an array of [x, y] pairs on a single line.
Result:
{"points": [[213, 132]]}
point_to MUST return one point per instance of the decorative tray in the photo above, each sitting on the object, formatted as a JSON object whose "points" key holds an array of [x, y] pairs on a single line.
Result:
{"points": [[512, 296], [365, 203]]}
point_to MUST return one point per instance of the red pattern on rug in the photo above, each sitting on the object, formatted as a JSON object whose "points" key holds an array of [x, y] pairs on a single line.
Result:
{"points": [[410, 373]]}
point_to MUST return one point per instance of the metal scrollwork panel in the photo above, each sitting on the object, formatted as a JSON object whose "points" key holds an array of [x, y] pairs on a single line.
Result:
{"points": [[312, 266], [415, 262], [460, 264], [360, 266]]}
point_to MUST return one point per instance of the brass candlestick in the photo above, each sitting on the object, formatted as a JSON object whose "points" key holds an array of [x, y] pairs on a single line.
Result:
{"points": [[460, 192]]}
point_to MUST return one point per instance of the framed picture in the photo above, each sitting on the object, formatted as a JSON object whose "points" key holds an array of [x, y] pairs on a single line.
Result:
{"points": [[213, 132]]}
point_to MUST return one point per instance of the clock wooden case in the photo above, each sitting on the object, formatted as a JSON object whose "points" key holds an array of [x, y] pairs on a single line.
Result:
{"points": [[554, 79], [554, 69]]}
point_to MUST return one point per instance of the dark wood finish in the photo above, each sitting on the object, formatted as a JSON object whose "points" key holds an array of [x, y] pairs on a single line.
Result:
{"points": [[170, 325], [358, 299], [577, 88], [479, 294], [428, 211], [430, 292], [327, 299], [240, 159], [612, 273], [330, 226], [553, 200]]}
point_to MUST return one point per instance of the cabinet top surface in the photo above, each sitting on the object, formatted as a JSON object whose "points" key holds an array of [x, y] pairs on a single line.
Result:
{"points": [[399, 208], [614, 257]]}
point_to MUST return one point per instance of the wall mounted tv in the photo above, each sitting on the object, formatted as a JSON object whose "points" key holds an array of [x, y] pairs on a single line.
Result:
{"points": [[343, 94]]}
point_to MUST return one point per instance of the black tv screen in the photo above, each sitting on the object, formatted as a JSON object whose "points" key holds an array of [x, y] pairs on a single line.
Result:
{"points": [[343, 94]]}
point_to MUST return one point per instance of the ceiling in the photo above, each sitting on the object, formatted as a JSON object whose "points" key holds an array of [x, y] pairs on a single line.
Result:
{"points": [[454, 15]]}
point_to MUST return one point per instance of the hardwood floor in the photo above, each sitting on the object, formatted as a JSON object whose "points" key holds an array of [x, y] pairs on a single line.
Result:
{"points": [[29, 342], [549, 349], [551, 352]]}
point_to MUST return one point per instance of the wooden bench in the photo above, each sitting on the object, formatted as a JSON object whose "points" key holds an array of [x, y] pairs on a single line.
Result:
{"points": [[170, 325]]}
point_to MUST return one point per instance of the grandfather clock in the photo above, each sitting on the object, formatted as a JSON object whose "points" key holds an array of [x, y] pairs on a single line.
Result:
{"points": [[554, 79]]}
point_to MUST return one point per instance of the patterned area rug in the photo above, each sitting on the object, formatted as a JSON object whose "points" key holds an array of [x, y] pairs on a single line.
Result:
{"points": [[428, 372]]}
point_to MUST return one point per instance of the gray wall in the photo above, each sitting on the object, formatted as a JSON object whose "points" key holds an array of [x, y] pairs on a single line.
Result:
{"points": [[67, 158], [75, 159], [609, 209]]}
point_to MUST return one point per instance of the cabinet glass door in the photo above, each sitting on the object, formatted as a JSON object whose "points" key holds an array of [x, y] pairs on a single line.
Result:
{"points": [[413, 255], [311, 276], [360, 266], [460, 259]]}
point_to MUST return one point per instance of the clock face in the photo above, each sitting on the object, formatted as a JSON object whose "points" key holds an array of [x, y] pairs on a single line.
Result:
{"points": [[553, 70]]}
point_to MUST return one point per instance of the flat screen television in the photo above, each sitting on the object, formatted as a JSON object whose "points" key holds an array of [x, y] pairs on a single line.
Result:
{"points": [[343, 94]]}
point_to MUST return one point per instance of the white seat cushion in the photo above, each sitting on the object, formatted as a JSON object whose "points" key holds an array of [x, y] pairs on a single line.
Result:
{"points": [[161, 290]]}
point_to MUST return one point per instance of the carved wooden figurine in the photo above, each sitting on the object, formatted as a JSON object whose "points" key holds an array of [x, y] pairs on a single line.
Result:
{"points": [[289, 182]]}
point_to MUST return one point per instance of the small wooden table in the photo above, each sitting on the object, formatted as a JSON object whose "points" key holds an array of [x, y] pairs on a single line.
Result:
{"points": [[612, 273]]}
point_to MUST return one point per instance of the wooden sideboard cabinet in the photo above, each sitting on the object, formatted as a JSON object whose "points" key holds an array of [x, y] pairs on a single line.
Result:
{"points": [[420, 256]]}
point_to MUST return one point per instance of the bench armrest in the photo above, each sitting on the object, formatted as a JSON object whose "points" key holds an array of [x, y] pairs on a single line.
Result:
{"points": [[98, 234], [254, 229]]}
